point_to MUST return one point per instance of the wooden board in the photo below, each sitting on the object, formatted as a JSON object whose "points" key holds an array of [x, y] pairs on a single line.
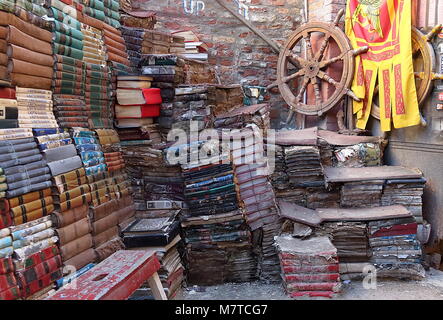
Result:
{"points": [[115, 278], [370, 173], [336, 139], [363, 214], [314, 218], [305, 137], [299, 214]]}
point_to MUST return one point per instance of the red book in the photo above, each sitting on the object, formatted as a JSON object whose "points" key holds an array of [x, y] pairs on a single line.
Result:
{"points": [[6, 265], [307, 269], [312, 277], [7, 93], [325, 294], [10, 294], [152, 96], [397, 230], [7, 281]]}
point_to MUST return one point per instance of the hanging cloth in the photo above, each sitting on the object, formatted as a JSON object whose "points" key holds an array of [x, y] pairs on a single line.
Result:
{"points": [[385, 27]]}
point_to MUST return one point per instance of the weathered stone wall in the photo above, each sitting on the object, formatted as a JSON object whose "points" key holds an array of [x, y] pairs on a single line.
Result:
{"points": [[239, 55]]}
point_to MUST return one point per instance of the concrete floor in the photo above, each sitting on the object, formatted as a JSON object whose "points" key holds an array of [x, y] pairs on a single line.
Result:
{"points": [[429, 289]]}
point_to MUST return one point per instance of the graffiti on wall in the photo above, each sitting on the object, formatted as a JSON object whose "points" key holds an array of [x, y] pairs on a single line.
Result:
{"points": [[243, 7], [194, 7]]}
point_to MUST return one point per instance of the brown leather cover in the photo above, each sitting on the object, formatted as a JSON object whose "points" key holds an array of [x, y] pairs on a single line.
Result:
{"points": [[126, 213], [75, 247], [118, 52], [3, 46], [3, 32], [17, 37], [3, 60], [90, 21], [74, 231], [82, 259], [31, 206], [63, 219], [23, 67], [112, 29], [105, 223], [4, 74], [114, 44], [28, 28], [27, 81], [110, 247], [114, 37], [103, 210], [75, 202], [105, 236], [117, 58], [16, 52]]}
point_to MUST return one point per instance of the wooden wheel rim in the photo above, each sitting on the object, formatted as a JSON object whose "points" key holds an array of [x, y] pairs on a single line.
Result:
{"points": [[330, 31], [426, 54]]}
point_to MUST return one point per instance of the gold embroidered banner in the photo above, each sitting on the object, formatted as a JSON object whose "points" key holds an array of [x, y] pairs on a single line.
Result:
{"points": [[385, 27]]}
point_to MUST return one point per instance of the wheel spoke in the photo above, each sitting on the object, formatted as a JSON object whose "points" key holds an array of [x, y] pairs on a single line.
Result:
{"points": [[322, 75], [307, 38], [299, 73], [326, 63], [324, 45], [318, 99], [302, 90]]}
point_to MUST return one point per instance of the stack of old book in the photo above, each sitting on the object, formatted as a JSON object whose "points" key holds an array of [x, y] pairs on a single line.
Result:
{"points": [[73, 228], [8, 105], [396, 251], [304, 166], [35, 108], [105, 232], [71, 111], [72, 196], [218, 249], [98, 89], [9, 286], [258, 115], [69, 69], [309, 267], [110, 143], [405, 192], [189, 105], [361, 194], [134, 39], [225, 98], [4, 74], [161, 235], [37, 258], [89, 150], [192, 48], [58, 150], [136, 19], [137, 103], [351, 241], [176, 70], [112, 14], [116, 49], [25, 172], [29, 51], [153, 179]]}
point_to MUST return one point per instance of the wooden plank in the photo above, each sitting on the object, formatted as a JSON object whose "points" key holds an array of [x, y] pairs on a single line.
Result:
{"points": [[305, 137], [336, 139], [363, 214], [299, 214], [115, 278], [156, 287], [370, 173]]}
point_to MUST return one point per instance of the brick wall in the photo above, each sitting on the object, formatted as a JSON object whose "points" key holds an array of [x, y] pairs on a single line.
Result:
{"points": [[325, 10], [238, 54]]}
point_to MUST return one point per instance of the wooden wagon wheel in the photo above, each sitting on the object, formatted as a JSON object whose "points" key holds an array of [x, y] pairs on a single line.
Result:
{"points": [[296, 72], [424, 66]]}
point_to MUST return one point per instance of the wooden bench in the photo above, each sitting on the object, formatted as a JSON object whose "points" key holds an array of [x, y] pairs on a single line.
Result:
{"points": [[116, 278]]}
